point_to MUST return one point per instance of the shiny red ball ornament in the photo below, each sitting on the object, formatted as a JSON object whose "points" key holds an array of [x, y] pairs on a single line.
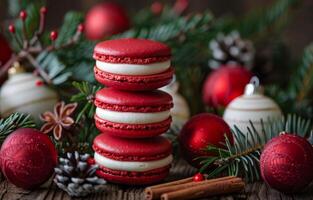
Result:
{"points": [[198, 177], [199, 132], [53, 35], [286, 163], [105, 19], [27, 158], [23, 15], [225, 84]]}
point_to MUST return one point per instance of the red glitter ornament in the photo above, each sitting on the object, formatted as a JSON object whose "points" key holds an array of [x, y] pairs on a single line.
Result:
{"points": [[225, 84], [105, 19], [198, 177], [27, 158], [199, 132], [286, 163]]}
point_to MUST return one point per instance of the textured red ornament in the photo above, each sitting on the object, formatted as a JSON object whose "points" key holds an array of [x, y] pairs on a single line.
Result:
{"points": [[200, 131], [198, 177], [287, 162], [225, 84], [104, 20], [5, 53], [27, 158]]}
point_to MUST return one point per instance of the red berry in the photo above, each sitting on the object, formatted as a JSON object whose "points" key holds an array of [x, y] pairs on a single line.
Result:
{"points": [[156, 7], [198, 177], [53, 35], [39, 83], [80, 28], [23, 15], [43, 10], [12, 28]]}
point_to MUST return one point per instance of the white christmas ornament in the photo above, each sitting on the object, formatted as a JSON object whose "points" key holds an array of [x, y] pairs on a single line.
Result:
{"points": [[24, 93], [180, 112], [251, 106]]}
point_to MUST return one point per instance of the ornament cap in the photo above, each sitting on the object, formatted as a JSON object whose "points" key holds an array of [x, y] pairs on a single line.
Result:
{"points": [[253, 87], [16, 69]]}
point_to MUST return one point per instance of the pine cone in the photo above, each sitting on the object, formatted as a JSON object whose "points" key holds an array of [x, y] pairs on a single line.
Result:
{"points": [[75, 176], [231, 49]]}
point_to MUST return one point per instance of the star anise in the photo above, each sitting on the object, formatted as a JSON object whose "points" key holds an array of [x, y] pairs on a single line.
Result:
{"points": [[59, 120]]}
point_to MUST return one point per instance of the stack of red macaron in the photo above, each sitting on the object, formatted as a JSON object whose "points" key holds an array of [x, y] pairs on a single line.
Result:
{"points": [[131, 113]]}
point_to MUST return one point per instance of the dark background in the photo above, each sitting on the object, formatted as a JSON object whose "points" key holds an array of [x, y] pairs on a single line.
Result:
{"points": [[297, 34]]}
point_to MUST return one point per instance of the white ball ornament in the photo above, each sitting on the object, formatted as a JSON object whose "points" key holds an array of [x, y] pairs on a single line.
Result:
{"points": [[180, 112], [25, 93], [251, 106]]}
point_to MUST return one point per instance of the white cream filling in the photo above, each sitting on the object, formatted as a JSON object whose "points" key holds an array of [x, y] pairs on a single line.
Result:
{"points": [[132, 165], [132, 117], [133, 69]]}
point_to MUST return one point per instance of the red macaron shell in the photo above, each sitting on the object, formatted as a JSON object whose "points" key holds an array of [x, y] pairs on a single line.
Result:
{"points": [[131, 51], [134, 83], [132, 130], [133, 178], [122, 149], [124, 101]]}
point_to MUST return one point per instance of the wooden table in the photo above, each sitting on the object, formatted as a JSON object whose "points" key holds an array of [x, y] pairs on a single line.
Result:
{"points": [[180, 170]]}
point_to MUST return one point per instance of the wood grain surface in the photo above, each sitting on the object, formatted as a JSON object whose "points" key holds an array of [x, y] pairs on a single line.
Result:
{"points": [[180, 170]]}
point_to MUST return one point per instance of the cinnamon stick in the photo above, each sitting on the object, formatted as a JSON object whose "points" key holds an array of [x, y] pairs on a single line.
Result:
{"points": [[206, 190], [155, 192]]}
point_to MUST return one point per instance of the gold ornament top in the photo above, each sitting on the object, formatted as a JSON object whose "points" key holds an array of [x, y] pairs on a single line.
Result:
{"points": [[16, 69]]}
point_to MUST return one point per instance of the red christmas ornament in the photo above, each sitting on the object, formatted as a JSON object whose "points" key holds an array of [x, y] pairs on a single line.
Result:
{"points": [[225, 84], [286, 163], [198, 177], [199, 132], [5, 53], [104, 20], [27, 158]]}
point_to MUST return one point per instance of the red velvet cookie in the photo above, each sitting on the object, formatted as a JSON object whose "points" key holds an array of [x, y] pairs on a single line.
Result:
{"points": [[132, 162], [133, 114], [133, 64]]}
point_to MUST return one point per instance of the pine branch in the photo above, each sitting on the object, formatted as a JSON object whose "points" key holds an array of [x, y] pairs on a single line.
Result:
{"points": [[242, 157], [85, 99], [13, 122], [302, 82]]}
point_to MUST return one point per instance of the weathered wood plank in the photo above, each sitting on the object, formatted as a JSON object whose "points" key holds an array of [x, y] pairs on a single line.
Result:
{"points": [[255, 191]]}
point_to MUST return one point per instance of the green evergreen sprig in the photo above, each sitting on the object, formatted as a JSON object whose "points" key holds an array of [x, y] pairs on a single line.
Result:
{"points": [[242, 157], [85, 98], [13, 122]]}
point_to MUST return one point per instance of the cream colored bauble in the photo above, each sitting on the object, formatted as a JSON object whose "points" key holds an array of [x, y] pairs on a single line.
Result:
{"points": [[180, 112], [251, 106], [24, 93]]}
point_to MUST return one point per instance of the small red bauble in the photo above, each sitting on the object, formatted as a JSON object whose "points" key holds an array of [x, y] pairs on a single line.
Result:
{"points": [[287, 163], [104, 20], [199, 132], [198, 177], [27, 158], [23, 15], [53, 35], [225, 84]]}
